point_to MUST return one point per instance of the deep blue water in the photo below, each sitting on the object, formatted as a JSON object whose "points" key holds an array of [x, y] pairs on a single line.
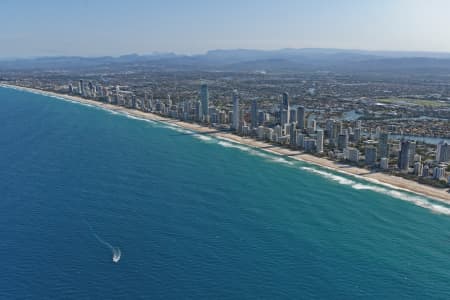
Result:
{"points": [[195, 217]]}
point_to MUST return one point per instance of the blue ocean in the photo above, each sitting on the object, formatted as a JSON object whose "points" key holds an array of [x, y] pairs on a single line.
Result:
{"points": [[100, 205]]}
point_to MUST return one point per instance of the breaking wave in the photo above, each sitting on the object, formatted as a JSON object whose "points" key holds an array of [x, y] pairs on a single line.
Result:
{"points": [[202, 137], [252, 151], [130, 116], [415, 199]]}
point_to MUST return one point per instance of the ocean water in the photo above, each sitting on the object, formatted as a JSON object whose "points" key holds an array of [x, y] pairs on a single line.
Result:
{"points": [[189, 216]]}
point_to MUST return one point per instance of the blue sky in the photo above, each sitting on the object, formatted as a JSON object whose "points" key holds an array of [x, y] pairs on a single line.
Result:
{"points": [[101, 27]]}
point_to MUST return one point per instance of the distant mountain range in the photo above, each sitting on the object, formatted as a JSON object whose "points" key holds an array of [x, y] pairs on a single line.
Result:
{"points": [[245, 60]]}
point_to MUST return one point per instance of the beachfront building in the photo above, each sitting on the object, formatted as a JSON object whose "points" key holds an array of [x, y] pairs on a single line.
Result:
{"points": [[236, 113], [292, 134], [284, 117], [254, 114], [438, 172], [370, 155], [351, 154], [442, 152], [404, 155], [301, 117], [335, 132], [319, 141], [309, 145], [412, 153], [300, 140], [204, 98], [198, 111], [418, 168], [260, 132], [384, 163], [342, 141], [425, 171], [383, 145], [81, 87]]}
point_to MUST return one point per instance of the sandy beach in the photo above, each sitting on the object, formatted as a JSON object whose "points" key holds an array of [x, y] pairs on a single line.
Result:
{"points": [[379, 178]]}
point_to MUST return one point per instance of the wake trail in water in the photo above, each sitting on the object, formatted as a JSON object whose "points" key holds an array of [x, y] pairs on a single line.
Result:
{"points": [[116, 253]]}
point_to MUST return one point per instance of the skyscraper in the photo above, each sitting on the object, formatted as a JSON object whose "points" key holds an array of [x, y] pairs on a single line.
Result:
{"points": [[319, 141], [342, 141], [301, 117], [293, 115], [285, 107], [412, 153], [293, 134], [351, 154], [403, 155], [312, 125], [284, 117], [254, 114], [329, 125], [336, 131], [198, 111], [438, 172], [384, 163], [81, 87], [285, 101], [442, 152], [309, 145], [370, 155], [383, 146], [236, 117], [204, 98], [418, 168], [357, 135]]}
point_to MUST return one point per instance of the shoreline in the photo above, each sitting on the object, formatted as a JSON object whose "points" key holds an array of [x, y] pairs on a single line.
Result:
{"points": [[390, 181]]}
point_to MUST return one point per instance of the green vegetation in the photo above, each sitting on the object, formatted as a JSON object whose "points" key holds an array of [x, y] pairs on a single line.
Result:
{"points": [[425, 102]]}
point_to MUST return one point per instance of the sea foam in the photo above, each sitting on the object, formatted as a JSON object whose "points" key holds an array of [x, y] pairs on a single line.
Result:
{"points": [[415, 199]]}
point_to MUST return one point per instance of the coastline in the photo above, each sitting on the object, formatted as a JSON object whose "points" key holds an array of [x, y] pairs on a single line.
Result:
{"points": [[383, 179]]}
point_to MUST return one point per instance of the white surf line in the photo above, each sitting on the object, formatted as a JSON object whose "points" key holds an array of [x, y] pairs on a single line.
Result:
{"points": [[375, 181], [116, 252], [79, 102], [370, 180], [274, 156], [229, 143], [392, 192]]}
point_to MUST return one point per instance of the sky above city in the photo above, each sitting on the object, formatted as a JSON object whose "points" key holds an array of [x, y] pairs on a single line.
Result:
{"points": [[113, 27]]}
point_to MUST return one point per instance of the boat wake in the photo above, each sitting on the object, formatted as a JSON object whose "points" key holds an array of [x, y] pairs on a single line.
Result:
{"points": [[116, 252]]}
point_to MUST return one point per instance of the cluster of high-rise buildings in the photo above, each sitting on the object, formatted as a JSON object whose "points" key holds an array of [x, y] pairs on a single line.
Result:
{"points": [[291, 126]]}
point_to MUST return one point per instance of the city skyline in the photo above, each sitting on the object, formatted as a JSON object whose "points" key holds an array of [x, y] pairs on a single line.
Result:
{"points": [[97, 28]]}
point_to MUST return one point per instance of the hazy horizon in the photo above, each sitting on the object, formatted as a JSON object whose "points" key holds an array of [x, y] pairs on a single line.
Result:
{"points": [[109, 28], [411, 52]]}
